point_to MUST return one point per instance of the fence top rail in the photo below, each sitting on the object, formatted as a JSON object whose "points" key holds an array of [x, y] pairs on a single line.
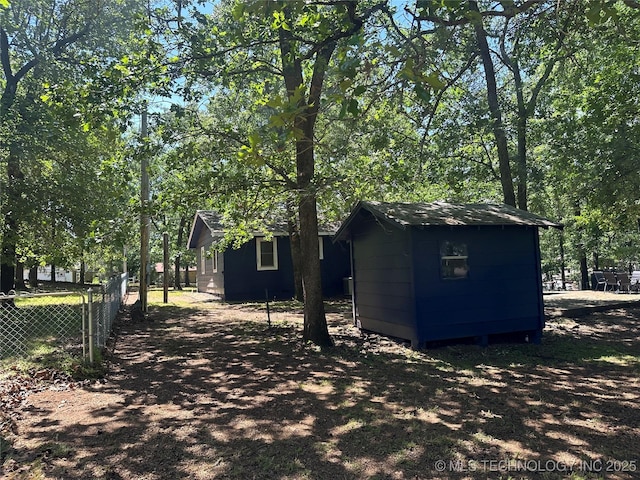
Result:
{"points": [[4, 296]]}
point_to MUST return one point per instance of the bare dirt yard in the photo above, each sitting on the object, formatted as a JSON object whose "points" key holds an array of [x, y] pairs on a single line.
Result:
{"points": [[210, 391]]}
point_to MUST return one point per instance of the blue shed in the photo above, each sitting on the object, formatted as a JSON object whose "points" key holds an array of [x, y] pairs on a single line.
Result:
{"points": [[436, 271], [260, 266]]}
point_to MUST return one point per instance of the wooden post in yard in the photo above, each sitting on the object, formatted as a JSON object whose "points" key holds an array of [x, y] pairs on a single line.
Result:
{"points": [[165, 267], [144, 214]]}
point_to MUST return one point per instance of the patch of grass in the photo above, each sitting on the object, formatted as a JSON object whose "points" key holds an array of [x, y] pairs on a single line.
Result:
{"points": [[56, 450], [69, 298], [46, 356]]}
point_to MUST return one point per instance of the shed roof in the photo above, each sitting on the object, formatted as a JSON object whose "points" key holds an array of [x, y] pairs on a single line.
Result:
{"points": [[445, 214]]}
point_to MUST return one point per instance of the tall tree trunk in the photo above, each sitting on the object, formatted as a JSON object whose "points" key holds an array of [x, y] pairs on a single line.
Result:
{"points": [[53, 241], [187, 280], [19, 280], [496, 116], [176, 263], [584, 270], [83, 270], [315, 322], [10, 236], [33, 276], [7, 269], [521, 162], [296, 251], [177, 280]]}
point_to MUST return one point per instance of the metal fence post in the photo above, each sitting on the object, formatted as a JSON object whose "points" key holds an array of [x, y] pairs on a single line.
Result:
{"points": [[90, 308], [84, 328]]}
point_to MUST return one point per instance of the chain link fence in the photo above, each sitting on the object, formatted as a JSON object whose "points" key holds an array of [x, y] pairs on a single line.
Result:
{"points": [[77, 322]]}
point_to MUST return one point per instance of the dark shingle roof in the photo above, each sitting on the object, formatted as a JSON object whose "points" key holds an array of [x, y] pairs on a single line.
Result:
{"points": [[446, 214], [212, 221]]}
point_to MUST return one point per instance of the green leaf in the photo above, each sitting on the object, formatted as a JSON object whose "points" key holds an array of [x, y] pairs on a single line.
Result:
{"points": [[359, 90], [238, 11], [276, 121], [354, 107], [4, 3], [343, 109], [345, 84], [275, 102], [434, 81], [422, 93]]}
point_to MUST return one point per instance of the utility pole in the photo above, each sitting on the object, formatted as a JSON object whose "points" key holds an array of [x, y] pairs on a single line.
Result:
{"points": [[144, 213]]}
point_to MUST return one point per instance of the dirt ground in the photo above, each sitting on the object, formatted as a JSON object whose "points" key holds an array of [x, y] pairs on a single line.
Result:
{"points": [[209, 390]]}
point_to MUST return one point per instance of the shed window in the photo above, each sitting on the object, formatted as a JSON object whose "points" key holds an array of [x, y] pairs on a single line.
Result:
{"points": [[321, 247], [453, 259], [203, 260], [267, 254]]}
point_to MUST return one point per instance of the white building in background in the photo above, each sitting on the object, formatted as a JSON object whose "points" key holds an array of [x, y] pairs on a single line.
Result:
{"points": [[44, 274]]}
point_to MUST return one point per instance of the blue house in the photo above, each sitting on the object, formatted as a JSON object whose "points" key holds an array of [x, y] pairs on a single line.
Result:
{"points": [[435, 271], [261, 267]]}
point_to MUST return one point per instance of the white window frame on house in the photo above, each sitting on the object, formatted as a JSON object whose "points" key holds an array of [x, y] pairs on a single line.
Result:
{"points": [[321, 247], [214, 261], [259, 242], [203, 260]]}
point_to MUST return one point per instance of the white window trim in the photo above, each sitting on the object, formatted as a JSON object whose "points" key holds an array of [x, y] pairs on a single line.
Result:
{"points": [[203, 260], [214, 261], [321, 247], [259, 265]]}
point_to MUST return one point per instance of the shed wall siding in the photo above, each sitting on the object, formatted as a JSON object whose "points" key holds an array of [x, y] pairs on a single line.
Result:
{"points": [[335, 267], [383, 279], [500, 295]]}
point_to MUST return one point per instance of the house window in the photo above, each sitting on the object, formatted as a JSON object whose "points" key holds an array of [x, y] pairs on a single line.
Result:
{"points": [[203, 260], [453, 260], [321, 247], [214, 261], [267, 254]]}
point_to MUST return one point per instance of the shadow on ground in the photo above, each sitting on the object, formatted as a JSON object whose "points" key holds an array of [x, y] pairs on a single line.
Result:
{"points": [[212, 392]]}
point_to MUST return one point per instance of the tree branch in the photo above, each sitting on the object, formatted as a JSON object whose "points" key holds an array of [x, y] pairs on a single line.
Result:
{"points": [[356, 25], [508, 12]]}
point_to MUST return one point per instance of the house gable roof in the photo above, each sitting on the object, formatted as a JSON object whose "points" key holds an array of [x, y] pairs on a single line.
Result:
{"points": [[403, 215], [203, 219], [212, 221]]}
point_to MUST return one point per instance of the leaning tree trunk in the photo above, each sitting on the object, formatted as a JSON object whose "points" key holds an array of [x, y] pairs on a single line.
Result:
{"points": [[496, 116]]}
